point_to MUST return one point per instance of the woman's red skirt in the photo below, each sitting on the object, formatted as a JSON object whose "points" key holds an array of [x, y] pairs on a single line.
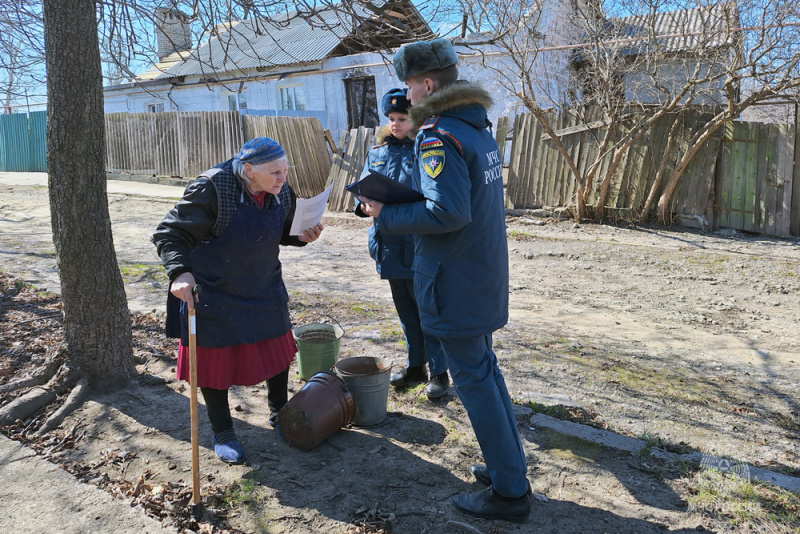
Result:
{"points": [[239, 365]]}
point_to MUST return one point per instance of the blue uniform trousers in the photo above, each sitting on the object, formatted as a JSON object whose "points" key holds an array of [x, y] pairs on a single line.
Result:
{"points": [[421, 347], [483, 392]]}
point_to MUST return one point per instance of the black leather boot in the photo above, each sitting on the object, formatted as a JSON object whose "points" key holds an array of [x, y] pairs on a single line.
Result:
{"points": [[486, 504], [437, 387], [481, 473], [408, 375]]}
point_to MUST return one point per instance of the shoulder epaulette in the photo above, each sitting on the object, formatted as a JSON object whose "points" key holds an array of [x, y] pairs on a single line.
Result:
{"points": [[429, 123]]}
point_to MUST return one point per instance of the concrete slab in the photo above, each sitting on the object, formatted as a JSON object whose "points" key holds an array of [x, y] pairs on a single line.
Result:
{"points": [[636, 446], [38, 496]]}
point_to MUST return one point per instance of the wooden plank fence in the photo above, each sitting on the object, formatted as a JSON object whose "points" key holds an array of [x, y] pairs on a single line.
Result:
{"points": [[539, 176], [756, 178], [184, 144], [501, 135], [742, 177], [348, 163], [794, 224], [178, 144]]}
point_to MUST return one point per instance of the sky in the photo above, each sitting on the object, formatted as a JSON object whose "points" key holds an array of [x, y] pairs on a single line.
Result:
{"points": [[31, 95]]}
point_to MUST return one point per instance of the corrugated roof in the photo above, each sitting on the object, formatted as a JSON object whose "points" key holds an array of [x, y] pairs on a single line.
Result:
{"points": [[290, 40], [684, 30], [254, 44], [162, 66]]}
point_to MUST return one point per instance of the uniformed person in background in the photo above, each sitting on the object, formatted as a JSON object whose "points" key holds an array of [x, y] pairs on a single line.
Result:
{"points": [[394, 254], [461, 261]]}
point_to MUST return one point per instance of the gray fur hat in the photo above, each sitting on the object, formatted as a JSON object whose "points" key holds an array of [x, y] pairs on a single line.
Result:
{"points": [[423, 56]]}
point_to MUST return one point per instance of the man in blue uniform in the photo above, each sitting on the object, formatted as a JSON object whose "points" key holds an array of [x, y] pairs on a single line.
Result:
{"points": [[461, 261]]}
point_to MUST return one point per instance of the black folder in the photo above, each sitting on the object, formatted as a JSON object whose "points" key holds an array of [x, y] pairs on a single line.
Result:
{"points": [[377, 186]]}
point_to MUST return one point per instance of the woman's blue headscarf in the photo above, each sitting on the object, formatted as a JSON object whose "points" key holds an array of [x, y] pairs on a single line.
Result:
{"points": [[257, 151]]}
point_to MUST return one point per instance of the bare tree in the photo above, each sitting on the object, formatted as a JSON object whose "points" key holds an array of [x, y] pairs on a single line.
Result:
{"points": [[640, 67], [529, 55], [766, 68], [10, 62], [21, 52], [632, 62], [97, 349]]}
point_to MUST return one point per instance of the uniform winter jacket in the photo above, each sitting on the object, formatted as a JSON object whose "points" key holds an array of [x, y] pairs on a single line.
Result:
{"points": [[461, 255], [393, 254]]}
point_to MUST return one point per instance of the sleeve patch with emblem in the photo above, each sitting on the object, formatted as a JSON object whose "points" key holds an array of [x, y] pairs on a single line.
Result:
{"points": [[433, 162]]}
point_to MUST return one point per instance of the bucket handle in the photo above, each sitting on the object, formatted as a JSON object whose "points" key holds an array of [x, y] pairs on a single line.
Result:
{"points": [[334, 320]]}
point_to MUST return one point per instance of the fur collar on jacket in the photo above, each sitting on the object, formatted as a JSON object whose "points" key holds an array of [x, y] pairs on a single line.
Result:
{"points": [[386, 131], [459, 94]]}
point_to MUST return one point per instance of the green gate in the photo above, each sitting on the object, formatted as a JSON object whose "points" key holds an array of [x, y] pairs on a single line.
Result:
{"points": [[23, 146]]}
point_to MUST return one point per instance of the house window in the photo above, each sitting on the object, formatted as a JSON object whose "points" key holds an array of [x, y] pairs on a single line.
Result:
{"points": [[292, 97], [237, 101], [155, 107]]}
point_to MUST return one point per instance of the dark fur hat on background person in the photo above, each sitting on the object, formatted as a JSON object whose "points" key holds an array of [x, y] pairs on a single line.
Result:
{"points": [[395, 101], [422, 56]]}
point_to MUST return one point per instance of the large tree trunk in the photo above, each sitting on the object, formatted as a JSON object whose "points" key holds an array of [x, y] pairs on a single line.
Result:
{"points": [[97, 325]]}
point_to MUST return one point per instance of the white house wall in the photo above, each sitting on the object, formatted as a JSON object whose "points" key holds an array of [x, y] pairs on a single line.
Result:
{"points": [[674, 75], [335, 70], [324, 88]]}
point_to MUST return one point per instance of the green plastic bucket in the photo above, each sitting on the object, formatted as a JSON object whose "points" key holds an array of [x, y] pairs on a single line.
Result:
{"points": [[317, 347]]}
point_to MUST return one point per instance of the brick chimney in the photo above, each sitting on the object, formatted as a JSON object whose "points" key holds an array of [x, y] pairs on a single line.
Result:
{"points": [[173, 32]]}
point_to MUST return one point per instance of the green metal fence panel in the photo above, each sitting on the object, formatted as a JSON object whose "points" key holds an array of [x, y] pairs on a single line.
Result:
{"points": [[23, 145], [37, 131], [15, 152]]}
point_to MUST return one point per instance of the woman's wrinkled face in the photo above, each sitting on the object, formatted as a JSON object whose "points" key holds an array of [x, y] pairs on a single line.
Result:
{"points": [[399, 124], [269, 176]]}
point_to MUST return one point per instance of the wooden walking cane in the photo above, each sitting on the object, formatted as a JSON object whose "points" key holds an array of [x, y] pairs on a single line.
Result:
{"points": [[197, 506]]}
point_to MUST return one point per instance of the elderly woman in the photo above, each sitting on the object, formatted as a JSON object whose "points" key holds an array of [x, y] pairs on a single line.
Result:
{"points": [[224, 235]]}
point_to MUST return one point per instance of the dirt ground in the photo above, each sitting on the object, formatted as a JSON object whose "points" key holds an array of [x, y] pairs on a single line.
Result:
{"points": [[684, 339]]}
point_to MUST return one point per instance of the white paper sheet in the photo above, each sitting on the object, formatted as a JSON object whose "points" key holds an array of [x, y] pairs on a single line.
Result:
{"points": [[309, 212]]}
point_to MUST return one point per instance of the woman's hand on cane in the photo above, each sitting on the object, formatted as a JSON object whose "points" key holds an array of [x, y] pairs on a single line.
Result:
{"points": [[181, 288]]}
